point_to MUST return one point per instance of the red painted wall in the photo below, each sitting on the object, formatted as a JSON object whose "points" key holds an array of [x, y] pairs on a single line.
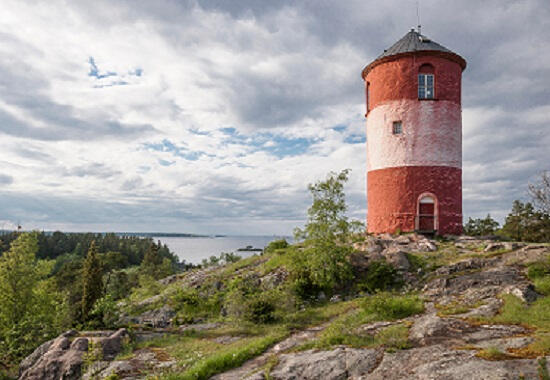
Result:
{"points": [[398, 79], [393, 195]]}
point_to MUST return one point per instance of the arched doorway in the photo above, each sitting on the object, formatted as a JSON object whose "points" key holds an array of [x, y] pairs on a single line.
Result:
{"points": [[426, 219]]}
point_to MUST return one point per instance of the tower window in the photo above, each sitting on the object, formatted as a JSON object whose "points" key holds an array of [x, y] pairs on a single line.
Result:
{"points": [[397, 128], [425, 86]]}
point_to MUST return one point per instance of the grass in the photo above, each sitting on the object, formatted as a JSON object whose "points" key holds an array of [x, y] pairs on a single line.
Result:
{"points": [[227, 358], [382, 306], [199, 356], [535, 316], [543, 369], [386, 306], [452, 309], [493, 353], [455, 307], [344, 332], [542, 285]]}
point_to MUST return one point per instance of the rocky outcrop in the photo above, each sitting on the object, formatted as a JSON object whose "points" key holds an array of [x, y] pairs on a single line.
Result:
{"points": [[63, 357], [340, 363]]}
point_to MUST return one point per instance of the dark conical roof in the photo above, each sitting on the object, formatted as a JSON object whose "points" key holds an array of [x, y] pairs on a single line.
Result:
{"points": [[413, 42]]}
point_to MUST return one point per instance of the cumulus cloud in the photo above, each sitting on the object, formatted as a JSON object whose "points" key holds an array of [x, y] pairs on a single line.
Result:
{"points": [[213, 116]]}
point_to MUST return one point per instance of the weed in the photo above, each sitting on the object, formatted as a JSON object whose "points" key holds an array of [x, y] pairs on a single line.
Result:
{"points": [[393, 338], [380, 276], [543, 369], [493, 353], [387, 306], [542, 285]]}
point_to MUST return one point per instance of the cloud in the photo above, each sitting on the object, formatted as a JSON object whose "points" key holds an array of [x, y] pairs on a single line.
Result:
{"points": [[5, 179], [213, 116]]}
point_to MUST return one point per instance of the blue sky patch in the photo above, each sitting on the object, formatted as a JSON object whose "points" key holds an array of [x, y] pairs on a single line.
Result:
{"points": [[178, 151], [94, 70]]}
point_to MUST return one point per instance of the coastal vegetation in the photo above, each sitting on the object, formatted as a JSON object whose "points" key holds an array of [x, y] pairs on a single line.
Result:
{"points": [[210, 318]]}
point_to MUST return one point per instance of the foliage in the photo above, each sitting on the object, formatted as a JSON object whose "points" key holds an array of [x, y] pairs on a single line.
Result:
{"points": [[481, 227], [524, 223], [326, 216], [322, 267], [229, 358], [542, 369], [31, 311], [393, 338], [223, 258], [540, 192], [324, 262], [344, 331], [53, 245], [106, 312], [492, 353], [539, 273], [379, 276], [276, 246], [247, 301], [154, 265], [93, 355], [385, 306], [92, 281]]}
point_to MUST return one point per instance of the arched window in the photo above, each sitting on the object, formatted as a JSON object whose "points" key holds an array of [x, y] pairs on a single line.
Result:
{"points": [[426, 82]]}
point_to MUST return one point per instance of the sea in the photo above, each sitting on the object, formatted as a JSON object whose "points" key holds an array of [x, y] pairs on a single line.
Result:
{"points": [[195, 249]]}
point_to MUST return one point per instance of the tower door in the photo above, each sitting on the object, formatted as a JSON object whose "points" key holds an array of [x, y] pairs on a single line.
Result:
{"points": [[426, 214]]}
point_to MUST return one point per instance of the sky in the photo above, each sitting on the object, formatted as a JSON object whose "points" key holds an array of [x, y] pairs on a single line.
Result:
{"points": [[213, 116]]}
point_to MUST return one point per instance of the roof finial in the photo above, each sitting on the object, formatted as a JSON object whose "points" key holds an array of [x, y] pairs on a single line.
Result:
{"points": [[418, 16]]}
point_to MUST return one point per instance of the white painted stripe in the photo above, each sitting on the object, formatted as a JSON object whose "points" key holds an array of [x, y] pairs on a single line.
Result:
{"points": [[431, 134]]}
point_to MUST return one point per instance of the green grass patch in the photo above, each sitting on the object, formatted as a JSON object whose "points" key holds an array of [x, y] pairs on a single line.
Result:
{"points": [[452, 309], [493, 353], [393, 338], [535, 315], [228, 357], [542, 285], [386, 306]]}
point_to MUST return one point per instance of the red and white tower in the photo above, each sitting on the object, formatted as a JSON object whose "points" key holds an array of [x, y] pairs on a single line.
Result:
{"points": [[414, 138]]}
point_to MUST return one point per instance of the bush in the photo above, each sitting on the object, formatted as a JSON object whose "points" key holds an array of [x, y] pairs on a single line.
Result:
{"points": [[379, 276], [387, 306], [260, 311], [276, 246], [538, 269]]}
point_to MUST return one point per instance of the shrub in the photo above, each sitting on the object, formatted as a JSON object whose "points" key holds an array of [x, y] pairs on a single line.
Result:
{"points": [[538, 269], [393, 338], [276, 246], [386, 306], [260, 311], [379, 276], [542, 285]]}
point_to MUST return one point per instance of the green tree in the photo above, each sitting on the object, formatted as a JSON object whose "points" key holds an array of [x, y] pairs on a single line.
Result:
{"points": [[154, 265], [324, 262], [540, 192], [18, 278], [92, 282], [481, 227], [31, 311], [524, 223]]}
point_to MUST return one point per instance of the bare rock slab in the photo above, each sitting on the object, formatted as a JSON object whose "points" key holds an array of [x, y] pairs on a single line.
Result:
{"points": [[340, 363]]}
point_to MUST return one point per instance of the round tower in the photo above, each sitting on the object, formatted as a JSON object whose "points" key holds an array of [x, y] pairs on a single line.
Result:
{"points": [[414, 138]]}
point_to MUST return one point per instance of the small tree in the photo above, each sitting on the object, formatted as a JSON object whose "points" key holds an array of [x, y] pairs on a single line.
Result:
{"points": [[326, 216], [324, 262], [92, 282], [540, 192]]}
